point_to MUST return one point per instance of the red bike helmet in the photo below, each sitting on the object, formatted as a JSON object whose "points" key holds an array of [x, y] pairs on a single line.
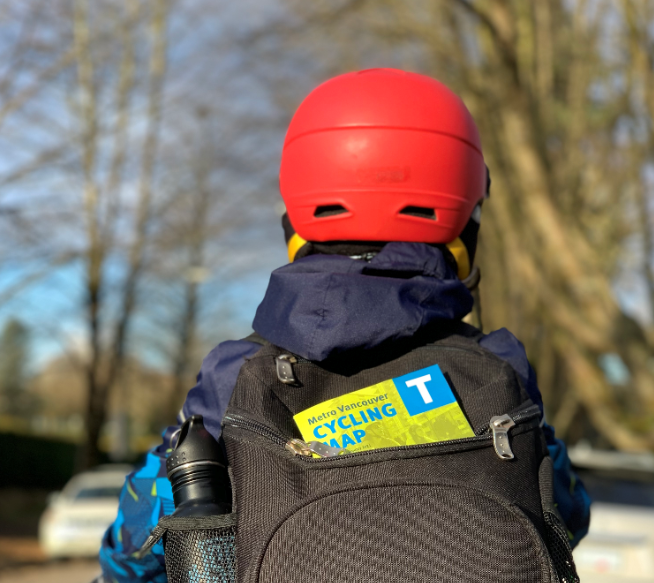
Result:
{"points": [[382, 155]]}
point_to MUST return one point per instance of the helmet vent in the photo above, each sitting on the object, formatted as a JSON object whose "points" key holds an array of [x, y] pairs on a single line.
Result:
{"points": [[329, 210], [419, 211]]}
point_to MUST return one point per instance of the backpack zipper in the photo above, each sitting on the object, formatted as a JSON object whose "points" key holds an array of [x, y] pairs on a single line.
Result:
{"points": [[284, 365], [284, 362], [295, 446], [497, 431], [500, 426]]}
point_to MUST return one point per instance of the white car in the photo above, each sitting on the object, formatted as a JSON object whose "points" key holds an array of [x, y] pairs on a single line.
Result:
{"points": [[619, 547], [77, 517]]}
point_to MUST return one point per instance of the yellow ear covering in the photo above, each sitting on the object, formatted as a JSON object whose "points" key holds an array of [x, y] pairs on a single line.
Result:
{"points": [[458, 249], [294, 244]]}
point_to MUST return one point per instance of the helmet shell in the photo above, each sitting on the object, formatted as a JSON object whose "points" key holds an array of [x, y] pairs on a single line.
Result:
{"points": [[382, 155]]}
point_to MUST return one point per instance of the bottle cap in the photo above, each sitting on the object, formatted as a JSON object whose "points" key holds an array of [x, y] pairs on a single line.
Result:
{"points": [[194, 446]]}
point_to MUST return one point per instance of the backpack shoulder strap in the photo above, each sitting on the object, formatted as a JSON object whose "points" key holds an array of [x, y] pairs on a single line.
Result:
{"points": [[450, 330], [467, 330], [257, 339]]}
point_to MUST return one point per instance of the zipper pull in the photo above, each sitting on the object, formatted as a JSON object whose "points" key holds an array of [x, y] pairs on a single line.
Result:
{"points": [[285, 374], [299, 447], [500, 426], [323, 450]]}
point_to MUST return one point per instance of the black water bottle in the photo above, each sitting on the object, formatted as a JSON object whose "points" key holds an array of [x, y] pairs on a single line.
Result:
{"points": [[196, 470], [199, 538]]}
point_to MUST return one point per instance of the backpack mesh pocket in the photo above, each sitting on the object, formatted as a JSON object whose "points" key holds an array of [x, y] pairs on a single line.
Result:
{"points": [[557, 536], [560, 551], [207, 556], [196, 549]]}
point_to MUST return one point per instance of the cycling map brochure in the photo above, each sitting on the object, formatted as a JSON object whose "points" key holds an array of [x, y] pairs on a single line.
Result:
{"points": [[412, 409]]}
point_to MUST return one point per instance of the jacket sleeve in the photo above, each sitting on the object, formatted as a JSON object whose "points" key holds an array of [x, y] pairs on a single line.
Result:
{"points": [[147, 495], [572, 500], [145, 498], [570, 495]]}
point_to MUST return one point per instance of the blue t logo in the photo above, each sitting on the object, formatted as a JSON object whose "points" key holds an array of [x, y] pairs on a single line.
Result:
{"points": [[424, 390], [420, 383]]}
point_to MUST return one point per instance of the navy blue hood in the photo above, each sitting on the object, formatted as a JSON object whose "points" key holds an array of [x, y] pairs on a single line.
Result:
{"points": [[325, 304]]}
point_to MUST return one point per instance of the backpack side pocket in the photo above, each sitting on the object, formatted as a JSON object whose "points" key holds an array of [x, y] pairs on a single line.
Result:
{"points": [[197, 548], [557, 539]]}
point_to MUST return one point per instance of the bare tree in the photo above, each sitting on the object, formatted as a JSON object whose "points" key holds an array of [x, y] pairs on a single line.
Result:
{"points": [[552, 86], [142, 189], [14, 361], [101, 235], [139, 188]]}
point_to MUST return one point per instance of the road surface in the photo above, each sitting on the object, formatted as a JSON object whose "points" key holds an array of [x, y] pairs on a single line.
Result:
{"points": [[59, 572]]}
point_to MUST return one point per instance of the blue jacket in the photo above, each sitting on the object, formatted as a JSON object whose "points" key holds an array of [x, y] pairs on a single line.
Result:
{"points": [[316, 307]]}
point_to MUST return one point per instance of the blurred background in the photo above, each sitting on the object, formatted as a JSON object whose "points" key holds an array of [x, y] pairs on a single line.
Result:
{"points": [[139, 214]]}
